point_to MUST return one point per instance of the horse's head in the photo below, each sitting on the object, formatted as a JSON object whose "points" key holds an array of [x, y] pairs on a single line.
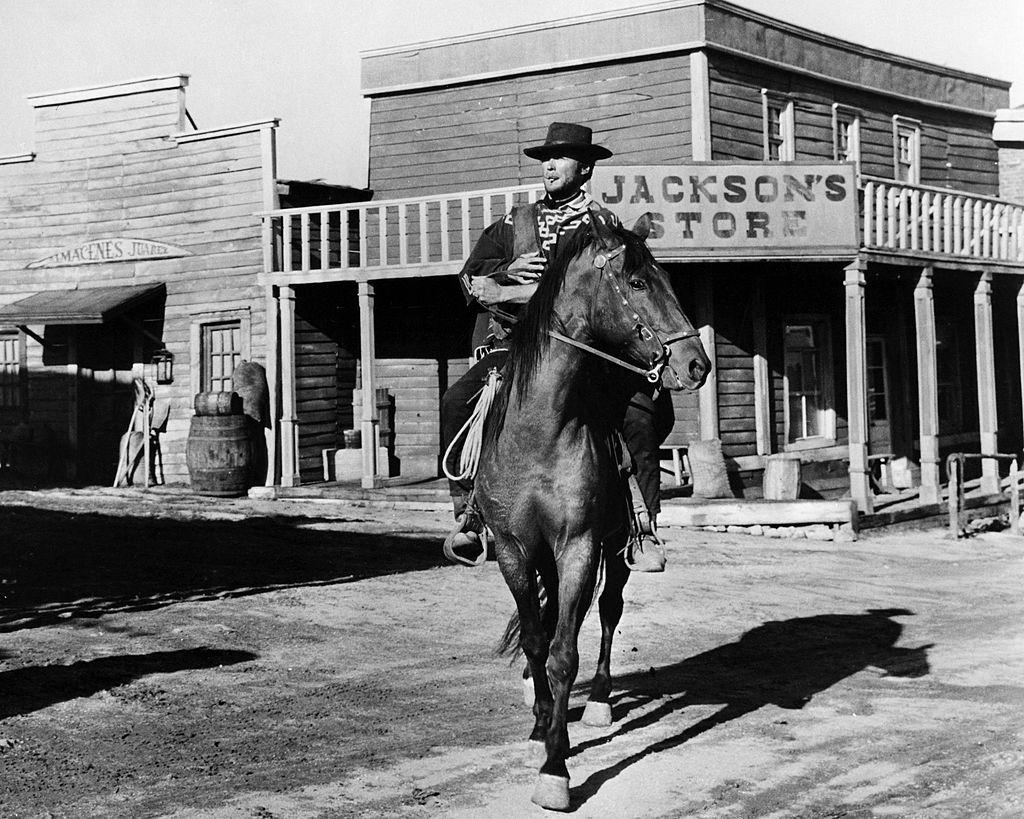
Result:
{"points": [[634, 313]]}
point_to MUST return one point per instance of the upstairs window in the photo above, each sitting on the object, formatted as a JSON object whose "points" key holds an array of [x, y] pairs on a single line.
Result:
{"points": [[809, 407], [10, 370], [906, 150], [778, 127], [846, 135]]}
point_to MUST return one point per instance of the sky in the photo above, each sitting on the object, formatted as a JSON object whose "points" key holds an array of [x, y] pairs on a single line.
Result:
{"points": [[298, 60]]}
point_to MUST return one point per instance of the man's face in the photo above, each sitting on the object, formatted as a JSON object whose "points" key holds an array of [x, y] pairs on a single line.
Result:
{"points": [[563, 176]]}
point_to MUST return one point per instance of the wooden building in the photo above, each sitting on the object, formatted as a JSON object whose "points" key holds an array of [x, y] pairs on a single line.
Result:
{"points": [[128, 239], [871, 356]]}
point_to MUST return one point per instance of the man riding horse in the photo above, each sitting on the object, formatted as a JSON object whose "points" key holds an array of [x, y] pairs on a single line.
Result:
{"points": [[500, 276]]}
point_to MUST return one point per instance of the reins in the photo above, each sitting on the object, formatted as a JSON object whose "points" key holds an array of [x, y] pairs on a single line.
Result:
{"points": [[653, 373]]}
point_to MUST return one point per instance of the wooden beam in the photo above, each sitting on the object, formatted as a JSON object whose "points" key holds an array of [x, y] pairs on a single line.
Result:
{"points": [[289, 421], [752, 513], [700, 107], [272, 347], [984, 347], [368, 357], [707, 396], [927, 386], [857, 386], [762, 375]]}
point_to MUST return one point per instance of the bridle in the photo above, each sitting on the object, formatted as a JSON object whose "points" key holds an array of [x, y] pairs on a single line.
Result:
{"points": [[646, 332]]}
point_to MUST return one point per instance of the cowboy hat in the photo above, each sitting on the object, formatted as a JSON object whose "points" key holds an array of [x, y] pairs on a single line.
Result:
{"points": [[568, 138]]}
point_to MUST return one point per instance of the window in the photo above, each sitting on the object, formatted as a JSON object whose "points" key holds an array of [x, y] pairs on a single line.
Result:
{"points": [[906, 149], [778, 127], [807, 381], [10, 370], [221, 353], [846, 135]]}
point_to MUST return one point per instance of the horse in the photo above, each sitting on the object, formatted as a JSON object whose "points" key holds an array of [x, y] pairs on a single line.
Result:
{"points": [[550, 486]]}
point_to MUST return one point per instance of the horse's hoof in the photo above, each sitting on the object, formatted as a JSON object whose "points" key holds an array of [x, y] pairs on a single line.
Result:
{"points": [[535, 754], [597, 714], [529, 692], [551, 792]]}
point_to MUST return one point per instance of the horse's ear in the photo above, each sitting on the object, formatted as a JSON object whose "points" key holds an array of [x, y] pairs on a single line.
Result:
{"points": [[602, 230], [643, 225]]}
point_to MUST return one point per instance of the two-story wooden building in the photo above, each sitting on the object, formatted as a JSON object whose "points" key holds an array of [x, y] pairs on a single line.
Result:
{"points": [[897, 342], [129, 249]]}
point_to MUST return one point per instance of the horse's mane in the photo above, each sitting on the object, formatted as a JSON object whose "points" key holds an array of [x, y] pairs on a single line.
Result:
{"points": [[530, 339]]}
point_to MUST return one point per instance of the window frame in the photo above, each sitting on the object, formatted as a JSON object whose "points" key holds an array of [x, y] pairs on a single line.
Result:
{"points": [[13, 383], [912, 127], [823, 327], [202, 321], [853, 117], [787, 126]]}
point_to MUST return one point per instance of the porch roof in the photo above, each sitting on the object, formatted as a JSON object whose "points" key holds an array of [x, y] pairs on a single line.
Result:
{"points": [[93, 305]]}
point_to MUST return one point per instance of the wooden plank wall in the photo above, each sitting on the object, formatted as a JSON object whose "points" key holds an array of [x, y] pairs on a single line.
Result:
{"points": [[964, 141], [471, 136], [105, 168]]}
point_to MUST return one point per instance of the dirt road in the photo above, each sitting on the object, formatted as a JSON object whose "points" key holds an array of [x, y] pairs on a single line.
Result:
{"points": [[164, 656]]}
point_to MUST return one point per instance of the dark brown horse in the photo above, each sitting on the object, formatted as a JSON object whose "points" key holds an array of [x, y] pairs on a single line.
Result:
{"points": [[549, 484]]}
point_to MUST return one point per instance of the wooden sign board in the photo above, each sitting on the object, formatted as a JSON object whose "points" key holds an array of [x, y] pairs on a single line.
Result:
{"points": [[105, 251], [742, 210]]}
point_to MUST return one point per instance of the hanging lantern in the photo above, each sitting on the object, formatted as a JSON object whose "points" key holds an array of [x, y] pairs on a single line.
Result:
{"points": [[163, 363]]}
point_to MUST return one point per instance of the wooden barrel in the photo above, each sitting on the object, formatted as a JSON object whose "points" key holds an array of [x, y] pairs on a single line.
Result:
{"points": [[782, 477], [220, 455], [217, 403]]}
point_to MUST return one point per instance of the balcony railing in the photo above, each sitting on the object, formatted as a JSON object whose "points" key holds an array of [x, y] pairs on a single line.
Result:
{"points": [[392, 233], [918, 218], [407, 236]]}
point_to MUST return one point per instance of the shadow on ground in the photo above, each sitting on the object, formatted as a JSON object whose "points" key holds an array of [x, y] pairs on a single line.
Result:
{"points": [[782, 663], [28, 689], [56, 565]]}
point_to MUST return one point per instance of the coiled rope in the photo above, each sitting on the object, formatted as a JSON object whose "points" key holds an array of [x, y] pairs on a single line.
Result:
{"points": [[473, 432]]}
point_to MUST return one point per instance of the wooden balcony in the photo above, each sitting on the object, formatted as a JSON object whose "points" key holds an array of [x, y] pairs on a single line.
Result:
{"points": [[926, 221], [432, 235]]}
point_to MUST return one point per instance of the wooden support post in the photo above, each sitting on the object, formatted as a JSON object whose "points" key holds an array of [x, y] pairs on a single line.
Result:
{"points": [[927, 386], [762, 376], [984, 346], [272, 345], [708, 394], [289, 421], [74, 385], [368, 355], [857, 385], [1020, 334]]}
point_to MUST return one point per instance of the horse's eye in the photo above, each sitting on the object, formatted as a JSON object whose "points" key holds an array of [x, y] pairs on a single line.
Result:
{"points": [[637, 284]]}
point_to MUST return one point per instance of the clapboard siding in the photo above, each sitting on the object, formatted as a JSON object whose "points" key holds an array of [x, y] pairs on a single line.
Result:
{"points": [[416, 386], [107, 168], [961, 140], [472, 136]]}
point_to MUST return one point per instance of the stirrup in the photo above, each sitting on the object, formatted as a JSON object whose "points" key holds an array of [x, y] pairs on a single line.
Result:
{"points": [[461, 537], [650, 547]]}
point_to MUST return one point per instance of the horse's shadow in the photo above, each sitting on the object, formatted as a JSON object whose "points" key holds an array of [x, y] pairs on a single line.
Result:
{"points": [[782, 663]]}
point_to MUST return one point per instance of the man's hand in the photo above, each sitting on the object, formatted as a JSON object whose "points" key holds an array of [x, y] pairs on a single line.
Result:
{"points": [[486, 291], [526, 269], [489, 293]]}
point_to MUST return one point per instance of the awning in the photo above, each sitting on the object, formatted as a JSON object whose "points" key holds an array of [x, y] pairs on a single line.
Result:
{"points": [[92, 305]]}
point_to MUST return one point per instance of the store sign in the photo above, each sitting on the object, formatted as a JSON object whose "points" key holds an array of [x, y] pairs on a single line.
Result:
{"points": [[742, 210], [105, 251]]}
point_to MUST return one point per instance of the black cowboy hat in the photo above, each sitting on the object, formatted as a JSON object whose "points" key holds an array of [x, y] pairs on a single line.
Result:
{"points": [[568, 139]]}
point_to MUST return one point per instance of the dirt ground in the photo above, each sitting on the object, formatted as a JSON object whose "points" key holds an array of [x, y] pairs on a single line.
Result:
{"points": [[164, 655]]}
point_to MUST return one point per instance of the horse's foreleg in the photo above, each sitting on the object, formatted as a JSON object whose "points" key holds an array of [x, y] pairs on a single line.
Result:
{"points": [[576, 585], [598, 711]]}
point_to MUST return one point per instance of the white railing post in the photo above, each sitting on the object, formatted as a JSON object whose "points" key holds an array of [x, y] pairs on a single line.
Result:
{"points": [[325, 240], [424, 235], [446, 251], [869, 210], [464, 204], [403, 237], [304, 241], [286, 243], [890, 204]]}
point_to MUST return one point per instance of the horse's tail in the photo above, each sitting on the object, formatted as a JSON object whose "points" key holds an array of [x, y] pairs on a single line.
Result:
{"points": [[509, 644]]}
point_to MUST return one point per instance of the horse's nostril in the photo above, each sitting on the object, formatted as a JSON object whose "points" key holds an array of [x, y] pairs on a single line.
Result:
{"points": [[697, 370]]}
